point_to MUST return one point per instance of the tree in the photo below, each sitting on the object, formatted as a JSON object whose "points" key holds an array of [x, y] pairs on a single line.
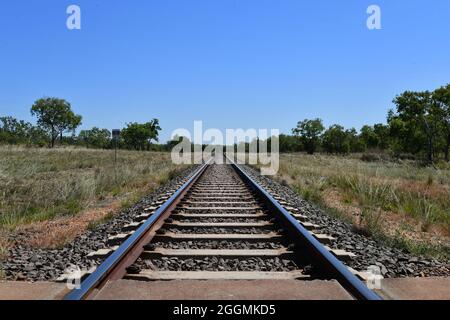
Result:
{"points": [[441, 97], [38, 137], [73, 122], [14, 131], [153, 129], [354, 141], [139, 136], [289, 143], [309, 131], [375, 137], [369, 137], [335, 140], [55, 117], [418, 111], [97, 138], [175, 141], [135, 135], [404, 136], [382, 133]]}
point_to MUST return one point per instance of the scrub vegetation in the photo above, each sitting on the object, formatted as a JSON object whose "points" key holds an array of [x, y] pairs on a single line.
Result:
{"points": [[398, 201], [56, 194]]}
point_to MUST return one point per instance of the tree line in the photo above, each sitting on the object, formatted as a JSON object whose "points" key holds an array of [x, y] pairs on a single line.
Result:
{"points": [[419, 125], [57, 123]]}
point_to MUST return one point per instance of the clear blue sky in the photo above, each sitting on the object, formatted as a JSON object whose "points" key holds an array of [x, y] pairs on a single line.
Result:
{"points": [[230, 63]]}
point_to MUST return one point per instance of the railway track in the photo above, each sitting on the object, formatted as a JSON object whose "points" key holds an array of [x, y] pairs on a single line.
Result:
{"points": [[221, 225]]}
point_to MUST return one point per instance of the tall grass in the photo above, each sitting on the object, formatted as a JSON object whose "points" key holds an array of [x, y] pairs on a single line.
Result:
{"points": [[389, 197], [41, 184], [404, 188], [376, 188]]}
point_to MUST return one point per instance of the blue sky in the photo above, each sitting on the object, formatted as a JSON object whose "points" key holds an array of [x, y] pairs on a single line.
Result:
{"points": [[230, 63]]}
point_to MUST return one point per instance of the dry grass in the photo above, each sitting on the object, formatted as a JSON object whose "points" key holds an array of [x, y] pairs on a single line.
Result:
{"points": [[57, 232], [57, 194], [401, 201]]}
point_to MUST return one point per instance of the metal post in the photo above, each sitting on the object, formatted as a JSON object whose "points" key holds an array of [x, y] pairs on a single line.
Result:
{"points": [[115, 161], [116, 136]]}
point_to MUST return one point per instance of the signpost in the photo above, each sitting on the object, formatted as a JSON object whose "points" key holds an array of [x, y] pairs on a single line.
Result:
{"points": [[116, 137]]}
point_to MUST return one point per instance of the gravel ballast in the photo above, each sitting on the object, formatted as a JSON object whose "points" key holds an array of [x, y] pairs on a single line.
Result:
{"points": [[216, 264], [215, 230], [216, 244]]}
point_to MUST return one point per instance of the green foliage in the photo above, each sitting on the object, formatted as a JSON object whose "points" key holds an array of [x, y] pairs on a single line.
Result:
{"points": [[419, 127], [382, 133], [96, 138], [442, 99], [354, 141], [289, 143], [310, 132], [13, 131], [369, 137], [417, 122], [375, 137], [139, 136], [334, 140], [293, 144], [370, 221], [55, 117]]}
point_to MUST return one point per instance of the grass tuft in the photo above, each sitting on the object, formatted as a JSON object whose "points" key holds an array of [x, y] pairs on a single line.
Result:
{"points": [[95, 224]]}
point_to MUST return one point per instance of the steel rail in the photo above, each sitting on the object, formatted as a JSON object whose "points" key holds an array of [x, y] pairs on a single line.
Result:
{"points": [[107, 267], [325, 259]]}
